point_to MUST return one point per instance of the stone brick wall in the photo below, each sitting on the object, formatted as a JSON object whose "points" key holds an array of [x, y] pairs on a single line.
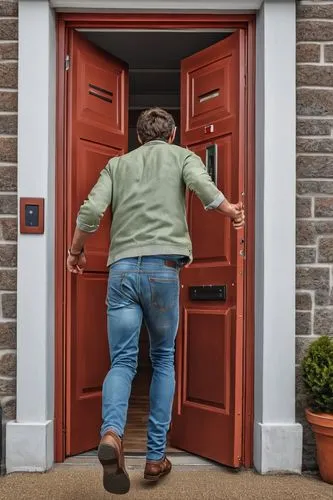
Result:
{"points": [[8, 204], [314, 253]]}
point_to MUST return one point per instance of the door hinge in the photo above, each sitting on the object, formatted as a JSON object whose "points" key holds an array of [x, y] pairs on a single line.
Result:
{"points": [[67, 62]]}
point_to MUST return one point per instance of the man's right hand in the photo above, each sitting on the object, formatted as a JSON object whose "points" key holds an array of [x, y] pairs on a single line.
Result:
{"points": [[234, 211]]}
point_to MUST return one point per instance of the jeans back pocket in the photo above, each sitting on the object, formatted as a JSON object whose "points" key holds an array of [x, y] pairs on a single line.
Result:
{"points": [[164, 292]]}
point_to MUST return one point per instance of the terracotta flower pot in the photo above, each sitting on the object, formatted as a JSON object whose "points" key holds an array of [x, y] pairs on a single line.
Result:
{"points": [[322, 426]]}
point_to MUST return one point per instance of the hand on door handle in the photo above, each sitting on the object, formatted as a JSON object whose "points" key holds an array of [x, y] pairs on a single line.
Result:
{"points": [[239, 219], [234, 211]]}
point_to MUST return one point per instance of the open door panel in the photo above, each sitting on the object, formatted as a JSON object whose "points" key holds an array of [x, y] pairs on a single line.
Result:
{"points": [[207, 417], [98, 130]]}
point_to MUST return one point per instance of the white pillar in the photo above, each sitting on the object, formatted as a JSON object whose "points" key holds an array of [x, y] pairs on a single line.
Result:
{"points": [[277, 438], [29, 439]]}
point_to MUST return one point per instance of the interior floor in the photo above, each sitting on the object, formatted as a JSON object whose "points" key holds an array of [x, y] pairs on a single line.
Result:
{"points": [[135, 439], [154, 59]]}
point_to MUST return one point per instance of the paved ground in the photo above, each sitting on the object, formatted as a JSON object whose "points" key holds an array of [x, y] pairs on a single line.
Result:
{"points": [[84, 483]]}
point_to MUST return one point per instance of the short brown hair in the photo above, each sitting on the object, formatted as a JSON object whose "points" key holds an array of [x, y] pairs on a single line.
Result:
{"points": [[155, 123]]}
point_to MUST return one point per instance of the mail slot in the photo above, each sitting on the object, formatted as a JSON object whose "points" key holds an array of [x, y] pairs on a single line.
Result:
{"points": [[208, 292]]}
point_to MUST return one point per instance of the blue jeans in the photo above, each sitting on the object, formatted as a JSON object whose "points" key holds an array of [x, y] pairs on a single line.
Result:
{"points": [[142, 289]]}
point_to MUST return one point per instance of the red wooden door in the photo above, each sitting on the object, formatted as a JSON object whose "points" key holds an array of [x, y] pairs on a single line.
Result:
{"points": [[98, 118], [208, 406]]}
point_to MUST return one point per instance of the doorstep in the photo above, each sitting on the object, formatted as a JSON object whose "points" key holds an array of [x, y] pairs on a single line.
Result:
{"points": [[137, 461]]}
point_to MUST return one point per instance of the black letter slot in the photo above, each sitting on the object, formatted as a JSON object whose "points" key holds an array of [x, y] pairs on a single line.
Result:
{"points": [[208, 292]]}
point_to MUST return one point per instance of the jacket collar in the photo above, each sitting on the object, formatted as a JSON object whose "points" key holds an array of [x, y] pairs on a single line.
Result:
{"points": [[155, 141]]}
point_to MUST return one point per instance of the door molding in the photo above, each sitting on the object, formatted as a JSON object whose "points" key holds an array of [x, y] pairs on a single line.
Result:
{"points": [[67, 22], [166, 6], [274, 251]]}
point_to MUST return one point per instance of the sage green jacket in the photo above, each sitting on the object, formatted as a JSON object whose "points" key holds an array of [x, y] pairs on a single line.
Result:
{"points": [[146, 191]]}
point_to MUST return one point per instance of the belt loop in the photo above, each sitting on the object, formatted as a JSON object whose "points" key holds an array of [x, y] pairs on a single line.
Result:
{"points": [[139, 261]]}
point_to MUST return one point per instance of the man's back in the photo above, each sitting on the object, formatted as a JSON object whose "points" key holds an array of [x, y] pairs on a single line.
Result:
{"points": [[146, 190], [148, 203]]}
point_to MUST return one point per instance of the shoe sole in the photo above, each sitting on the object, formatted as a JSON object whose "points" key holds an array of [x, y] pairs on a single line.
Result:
{"points": [[115, 480]]}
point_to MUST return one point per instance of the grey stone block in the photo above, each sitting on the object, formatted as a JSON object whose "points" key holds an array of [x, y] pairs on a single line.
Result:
{"points": [[8, 75], [314, 31], [8, 279], [328, 53], [9, 409], [324, 297], [9, 305], [324, 207], [325, 250], [303, 301], [8, 254], [8, 204], [8, 101], [314, 76], [314, 127], [308, 167], [8, 335], [7, 386], [302, 344], [314, 187], [8, 230], [303, 323], [314, 11], [8, 124], [312, 278], [307, 145], [9, 51], [308, 52], [305, 233], [8, 179], [314, 102], [8, 8], [8, 29], [305, 255], [323, 322], [8, 149], [8, 364], [303, 207]]}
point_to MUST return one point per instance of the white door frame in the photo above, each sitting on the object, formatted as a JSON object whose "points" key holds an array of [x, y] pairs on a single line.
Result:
{"points": [[277, 438]]}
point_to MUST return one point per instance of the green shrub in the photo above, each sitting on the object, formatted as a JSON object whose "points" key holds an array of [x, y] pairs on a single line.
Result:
{"points": [[317, 372]]}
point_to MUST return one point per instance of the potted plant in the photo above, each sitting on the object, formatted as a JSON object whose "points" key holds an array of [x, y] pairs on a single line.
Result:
{"points": [[317, 373]]}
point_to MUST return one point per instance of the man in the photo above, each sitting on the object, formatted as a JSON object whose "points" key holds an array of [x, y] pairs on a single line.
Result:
{"points": [[149, 244]]}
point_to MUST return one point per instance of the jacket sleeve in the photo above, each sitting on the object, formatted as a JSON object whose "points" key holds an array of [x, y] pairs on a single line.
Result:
{"points": [[99, 199], [198, 180]]}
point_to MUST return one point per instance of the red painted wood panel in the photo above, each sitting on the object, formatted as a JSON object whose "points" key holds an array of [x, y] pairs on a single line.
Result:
{"points": [[98, 130], [209, 357]]}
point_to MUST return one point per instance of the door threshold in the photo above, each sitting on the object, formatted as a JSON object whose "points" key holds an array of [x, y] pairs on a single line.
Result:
{"points": [[138, 460]]}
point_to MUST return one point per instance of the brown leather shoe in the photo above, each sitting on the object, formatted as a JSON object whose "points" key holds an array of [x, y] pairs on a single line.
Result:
{"points": [[111, 456], [156, 469]]}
